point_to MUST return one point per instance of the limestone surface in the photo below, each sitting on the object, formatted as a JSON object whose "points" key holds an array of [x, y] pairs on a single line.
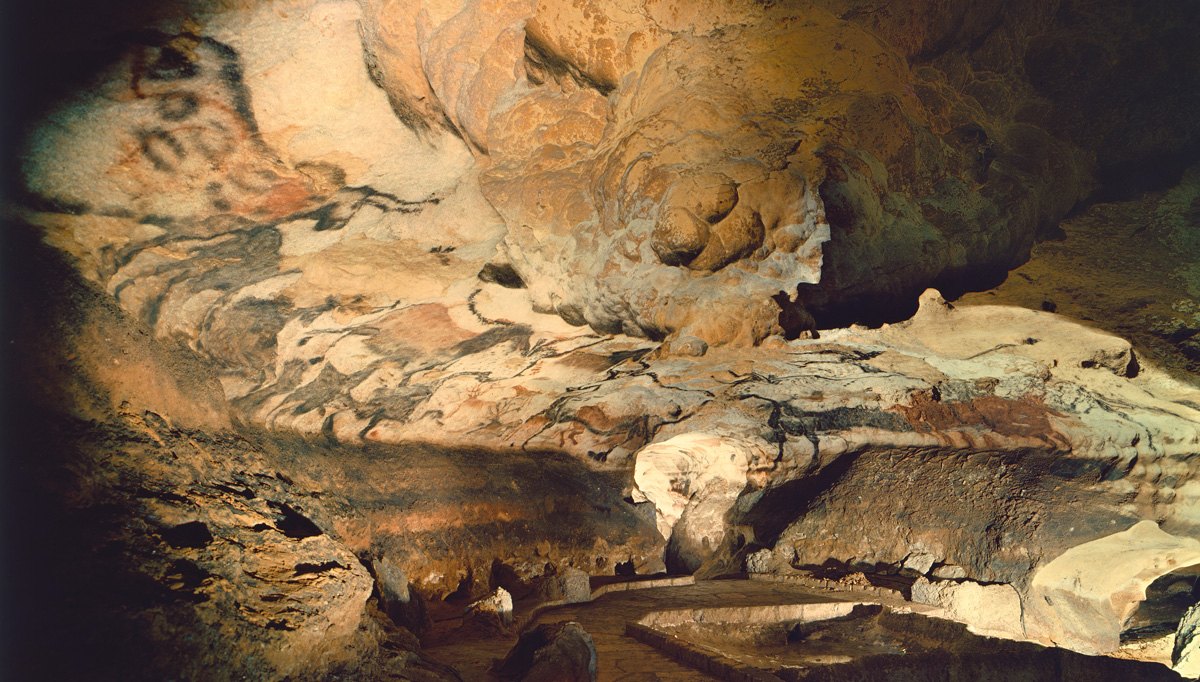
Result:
{"points": [[551, 652], [1185, 655], [818, 164], [493, 613], [425, 301], [1082, 598], [993, 610]]}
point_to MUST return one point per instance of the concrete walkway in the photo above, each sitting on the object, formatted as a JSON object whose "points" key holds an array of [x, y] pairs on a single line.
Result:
{"points": [[620, 658]]}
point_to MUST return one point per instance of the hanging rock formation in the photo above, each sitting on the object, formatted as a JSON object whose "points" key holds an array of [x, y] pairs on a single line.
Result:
{"points": [[646, 156]]}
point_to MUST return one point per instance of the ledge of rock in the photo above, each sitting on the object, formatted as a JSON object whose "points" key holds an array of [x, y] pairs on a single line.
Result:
{"points": [[1083, 597]]}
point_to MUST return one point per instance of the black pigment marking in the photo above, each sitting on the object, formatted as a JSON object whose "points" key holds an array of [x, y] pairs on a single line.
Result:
{"points": [[329, 385], [248, 256], [178, 106], [152, 305], [48, 204], [518, 334], [153, 141], [116, 212], [328, 217], [231, 75], [396, 404], [347, 201], [171, 65], [787, 420], [211, 154], [801, 422], [623, 355], [259, 180], [503, 274], [245, 334], [288, 380]]}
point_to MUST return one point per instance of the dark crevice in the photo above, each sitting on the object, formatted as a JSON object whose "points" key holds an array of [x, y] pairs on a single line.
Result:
{"points": [[308, 568], [503, 274], [294, 524], [541, 64], [194, 534], [781, 505]]}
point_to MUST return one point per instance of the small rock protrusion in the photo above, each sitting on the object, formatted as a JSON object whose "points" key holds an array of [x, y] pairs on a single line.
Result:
{"points": [[401, 603], [917, 564], [689, 346], [493, 613], [1185, 655], [949, 572], [569, 585], [932, 304], [551, 652]]}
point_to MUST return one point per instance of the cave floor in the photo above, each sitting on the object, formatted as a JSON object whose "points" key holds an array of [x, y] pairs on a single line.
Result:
{"points": [[623, 659]]}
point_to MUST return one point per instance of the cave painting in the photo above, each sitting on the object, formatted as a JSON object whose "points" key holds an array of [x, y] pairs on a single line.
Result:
{"points": [[757, 173], [205, 224], [414, 365]]}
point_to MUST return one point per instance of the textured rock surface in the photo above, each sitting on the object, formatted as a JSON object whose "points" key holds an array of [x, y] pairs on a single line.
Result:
{"points": [[1082, 599], [1185, 655], [1128, 267], [644, 155], [970, 476], [492, 614], [720, 164], [551, 652], [570, 586], [164, 545], [648, 162], [872, 643], [949, 413], [351, 387], [692, 480], [993, 610]]}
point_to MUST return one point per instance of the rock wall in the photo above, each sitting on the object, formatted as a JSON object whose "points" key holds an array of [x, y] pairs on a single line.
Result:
{"points": [[153, 520], [1128, 267], [826, 161], [420, 300]]}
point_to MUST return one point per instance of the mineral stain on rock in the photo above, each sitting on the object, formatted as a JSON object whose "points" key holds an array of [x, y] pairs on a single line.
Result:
{"points": [[1025, 418]]}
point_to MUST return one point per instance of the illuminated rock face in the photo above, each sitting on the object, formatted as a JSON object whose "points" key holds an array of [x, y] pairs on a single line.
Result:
{"points": [[1083, 597], [1185, 655], [756, 165], [173, 541], [661, 183]]}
